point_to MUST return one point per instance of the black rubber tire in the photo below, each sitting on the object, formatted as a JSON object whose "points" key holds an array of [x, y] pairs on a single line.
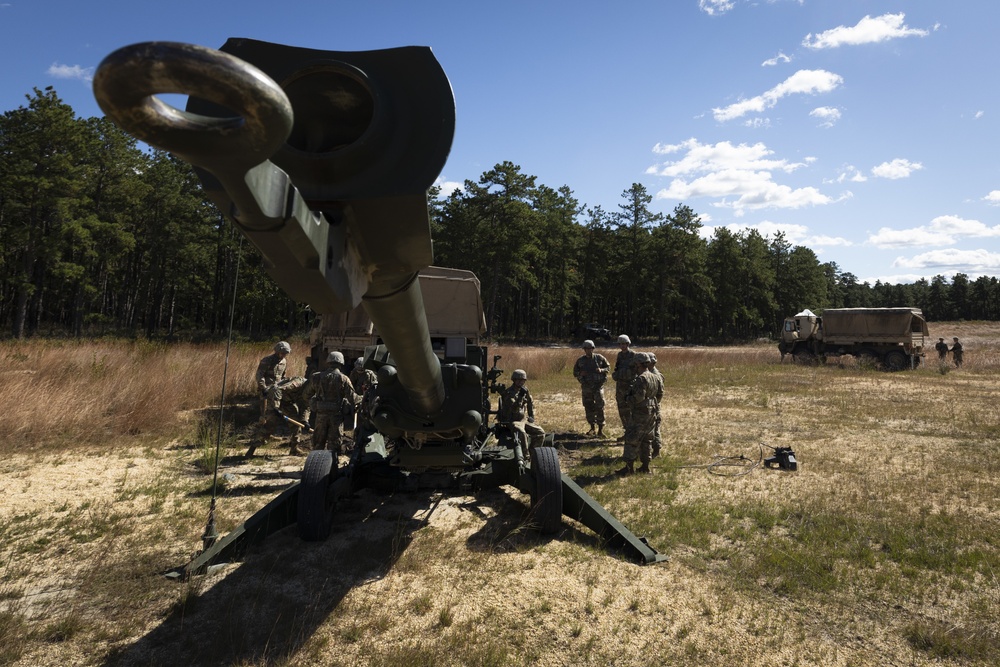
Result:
{"points": [[896, 361], [547, 498], [314, 513]]}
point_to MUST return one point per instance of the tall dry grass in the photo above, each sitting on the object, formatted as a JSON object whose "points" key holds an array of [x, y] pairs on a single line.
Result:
{"points": [[67, 393]]}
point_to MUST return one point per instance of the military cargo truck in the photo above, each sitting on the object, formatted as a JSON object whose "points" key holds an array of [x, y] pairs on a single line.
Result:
{"points": [[454, 312], [890, 338]]}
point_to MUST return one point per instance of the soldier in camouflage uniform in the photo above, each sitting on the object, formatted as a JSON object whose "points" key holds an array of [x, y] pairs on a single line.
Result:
{"points": [[623, 375], [295, 404], [361, 377], [270, 371], [518, 410], [334, 399], [592, 372], [641, 396], [657, 440]]}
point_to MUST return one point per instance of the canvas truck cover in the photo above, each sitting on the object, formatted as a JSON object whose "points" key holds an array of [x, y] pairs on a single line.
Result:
{"points": [[452, 302], [873, 323]]}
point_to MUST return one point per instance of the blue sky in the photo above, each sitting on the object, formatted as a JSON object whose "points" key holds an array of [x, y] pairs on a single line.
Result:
{"points": [[865, 130]]}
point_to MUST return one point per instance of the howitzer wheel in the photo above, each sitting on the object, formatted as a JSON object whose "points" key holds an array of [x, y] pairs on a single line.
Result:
{"points": [[547, 496], [315, 512]]}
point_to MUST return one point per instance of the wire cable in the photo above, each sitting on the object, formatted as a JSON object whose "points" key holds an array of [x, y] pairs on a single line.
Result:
{"points": [[746, 465], [211, 534]]}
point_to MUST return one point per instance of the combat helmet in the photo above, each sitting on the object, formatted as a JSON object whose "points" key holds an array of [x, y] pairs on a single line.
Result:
{"points": [[640, 358]]}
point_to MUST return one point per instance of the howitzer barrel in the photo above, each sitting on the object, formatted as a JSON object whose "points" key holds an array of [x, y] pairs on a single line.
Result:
{"points": [[321, 158]]}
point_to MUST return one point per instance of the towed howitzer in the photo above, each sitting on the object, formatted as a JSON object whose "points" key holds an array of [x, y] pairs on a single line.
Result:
{"points": [[323, 159]]}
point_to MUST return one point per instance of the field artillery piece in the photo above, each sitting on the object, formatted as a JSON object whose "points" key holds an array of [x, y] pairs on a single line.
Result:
{"points": [[323, 159]]}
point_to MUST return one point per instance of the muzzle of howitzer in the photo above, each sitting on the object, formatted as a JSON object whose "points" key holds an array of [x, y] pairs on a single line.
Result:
{"points": [[321, 158]]}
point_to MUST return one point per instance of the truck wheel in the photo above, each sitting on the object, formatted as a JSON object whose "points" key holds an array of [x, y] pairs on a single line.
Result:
{"points": [[314, 512], [546, 499], [896, 361]]}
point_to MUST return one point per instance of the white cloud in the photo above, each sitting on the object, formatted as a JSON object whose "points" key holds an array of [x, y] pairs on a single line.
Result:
{"points": [[993, 198], [867, 31], [979, 114], [742, 176], [448, 187], [71, 72], [851, 174], [713, 7], [780, 58], [758, 122], [971, 262], [713, 157], [828, 116], [942, 230], [898, 168], [805, 81]]}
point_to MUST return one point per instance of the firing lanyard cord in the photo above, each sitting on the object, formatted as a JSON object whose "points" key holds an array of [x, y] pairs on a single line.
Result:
{"points": [[745, 464], [210, 533]]}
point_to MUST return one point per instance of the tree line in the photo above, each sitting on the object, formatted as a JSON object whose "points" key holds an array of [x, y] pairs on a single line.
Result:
{"points": [[101, 237]]}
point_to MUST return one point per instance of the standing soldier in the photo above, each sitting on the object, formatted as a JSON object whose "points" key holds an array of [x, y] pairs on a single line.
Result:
{"points": [[518, 411], [270, 371], [942, 350], [361, 377], [956, 352], [592, 372], [334, 398], [641, 396], [657, 440], [623, 376]]}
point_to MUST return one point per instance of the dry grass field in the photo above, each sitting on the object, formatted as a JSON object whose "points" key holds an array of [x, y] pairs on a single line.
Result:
{"points": [[882, 549]]}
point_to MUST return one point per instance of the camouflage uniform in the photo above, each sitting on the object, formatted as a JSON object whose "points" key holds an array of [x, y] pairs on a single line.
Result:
{"points": [[362, 378], [295, 404], [518, 410], [332, 392], [657, 439], [956, 353], [641, 396], [592, 372], [623, 376], [270, 371]]}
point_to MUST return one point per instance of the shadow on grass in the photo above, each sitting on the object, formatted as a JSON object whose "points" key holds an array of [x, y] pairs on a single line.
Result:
{"points": [[269, 607], [509, 526]]}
